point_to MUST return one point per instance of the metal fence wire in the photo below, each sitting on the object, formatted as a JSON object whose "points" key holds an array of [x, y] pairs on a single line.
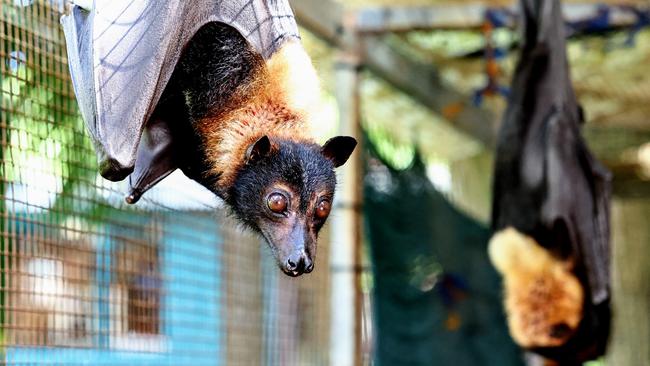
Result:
{"points": [[86, 279]]}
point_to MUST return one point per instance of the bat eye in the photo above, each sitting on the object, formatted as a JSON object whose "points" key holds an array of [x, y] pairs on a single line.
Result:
{"points": [[323, 209], [277, 202]]}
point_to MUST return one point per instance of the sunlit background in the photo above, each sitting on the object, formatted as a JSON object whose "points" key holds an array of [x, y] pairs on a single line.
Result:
{"points": [[87, 279]]}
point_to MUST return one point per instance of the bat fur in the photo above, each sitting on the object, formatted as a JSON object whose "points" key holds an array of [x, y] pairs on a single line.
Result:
{"points": [[251, 119]]}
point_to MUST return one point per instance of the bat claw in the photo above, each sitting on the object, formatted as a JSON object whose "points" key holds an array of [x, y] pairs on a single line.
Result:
{"points": [[132, 198]]}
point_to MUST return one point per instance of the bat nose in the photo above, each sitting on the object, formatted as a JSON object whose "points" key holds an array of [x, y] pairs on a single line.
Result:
{"points": [[299, 263]]}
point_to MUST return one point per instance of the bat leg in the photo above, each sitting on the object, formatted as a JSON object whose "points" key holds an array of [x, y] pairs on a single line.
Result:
{"points": [[543, 298]]}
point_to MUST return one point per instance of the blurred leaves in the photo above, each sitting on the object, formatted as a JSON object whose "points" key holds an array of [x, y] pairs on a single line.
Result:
{"points": [[44, 130], [39, 127]]}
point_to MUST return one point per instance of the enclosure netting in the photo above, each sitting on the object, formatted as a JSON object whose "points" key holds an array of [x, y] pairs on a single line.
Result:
{"points": [[87, 279], [436, 297]]}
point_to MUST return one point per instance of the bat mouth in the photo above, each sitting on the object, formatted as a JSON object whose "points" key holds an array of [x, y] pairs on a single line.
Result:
{"points": [[292, 273], [298, 271]]}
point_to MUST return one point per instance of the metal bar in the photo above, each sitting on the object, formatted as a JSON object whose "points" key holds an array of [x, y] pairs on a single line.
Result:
{"points": [[346, 223]]}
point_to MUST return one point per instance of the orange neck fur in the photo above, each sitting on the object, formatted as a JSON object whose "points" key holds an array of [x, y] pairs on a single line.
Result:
{"points": [[278, 106]]}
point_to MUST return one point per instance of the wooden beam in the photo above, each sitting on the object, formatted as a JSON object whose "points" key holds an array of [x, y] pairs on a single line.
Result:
{"points": [[323, 18], [463, 16], [401, 19], [329, 21], [422, 82]]}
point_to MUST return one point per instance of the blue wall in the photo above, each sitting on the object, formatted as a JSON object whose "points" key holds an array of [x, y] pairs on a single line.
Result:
{"points": [[189, 249]]}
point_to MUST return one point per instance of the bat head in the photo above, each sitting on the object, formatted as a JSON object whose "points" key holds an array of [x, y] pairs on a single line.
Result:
{"points": [[543, 298], [285, 191]]}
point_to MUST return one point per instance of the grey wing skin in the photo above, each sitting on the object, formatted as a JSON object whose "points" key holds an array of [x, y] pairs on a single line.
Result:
{"points": [[122, 54], [127, 48]]}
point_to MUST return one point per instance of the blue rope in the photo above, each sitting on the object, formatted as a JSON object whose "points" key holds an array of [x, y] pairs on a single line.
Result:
{"points": [[642, 21], [497, 18]]}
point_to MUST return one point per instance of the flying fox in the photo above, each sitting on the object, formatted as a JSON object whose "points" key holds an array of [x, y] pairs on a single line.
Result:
{"points": [[251, 117], [223, 91], [550, 210]]}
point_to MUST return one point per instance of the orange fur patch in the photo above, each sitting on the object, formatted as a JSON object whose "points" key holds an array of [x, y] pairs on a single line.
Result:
{"points": [[277, 104], [543, 298]]}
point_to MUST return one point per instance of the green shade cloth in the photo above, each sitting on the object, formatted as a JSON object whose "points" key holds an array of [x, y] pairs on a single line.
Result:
{"points": [[436, 296]]}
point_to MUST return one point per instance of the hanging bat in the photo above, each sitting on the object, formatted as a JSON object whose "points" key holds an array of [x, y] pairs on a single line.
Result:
{"points": [[222, 90], [550, 205]]}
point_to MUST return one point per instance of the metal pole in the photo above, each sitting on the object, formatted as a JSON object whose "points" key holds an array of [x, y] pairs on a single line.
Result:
{"points": [[346, 225]]}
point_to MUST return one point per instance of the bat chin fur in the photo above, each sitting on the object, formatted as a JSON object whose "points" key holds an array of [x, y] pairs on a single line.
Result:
{"points": [[543, 298]]}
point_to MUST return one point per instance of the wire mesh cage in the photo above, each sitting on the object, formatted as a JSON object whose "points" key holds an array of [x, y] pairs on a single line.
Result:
{"points": [[86, 279]]}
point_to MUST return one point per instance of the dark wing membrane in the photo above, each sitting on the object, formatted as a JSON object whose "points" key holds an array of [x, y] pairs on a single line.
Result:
{"points": [[595, 249], [155, 158], [123, 52], [547, 184], [575, 213]]}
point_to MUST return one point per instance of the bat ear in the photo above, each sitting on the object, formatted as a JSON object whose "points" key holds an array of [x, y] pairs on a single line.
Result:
{"points": [[258, 149], [338, 149]]}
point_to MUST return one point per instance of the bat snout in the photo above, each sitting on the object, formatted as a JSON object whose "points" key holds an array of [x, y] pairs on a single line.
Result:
{"points": [[298, 263], [293, 242]]}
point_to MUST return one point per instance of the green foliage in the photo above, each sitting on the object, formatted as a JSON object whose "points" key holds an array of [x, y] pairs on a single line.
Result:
{"points": [[40, 133], [46, 146], [398, 156]]}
